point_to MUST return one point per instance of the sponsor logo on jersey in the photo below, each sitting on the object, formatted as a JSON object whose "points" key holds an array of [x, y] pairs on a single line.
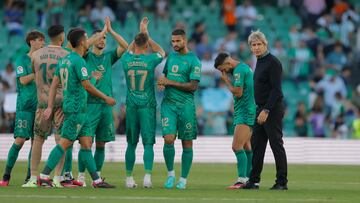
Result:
{"points": [[188, 126], [237, 76], [197, 70], [20, 69], [84, 71]]}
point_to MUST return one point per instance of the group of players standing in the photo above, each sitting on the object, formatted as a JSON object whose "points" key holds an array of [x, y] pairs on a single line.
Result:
{"points": [[69, 90]]}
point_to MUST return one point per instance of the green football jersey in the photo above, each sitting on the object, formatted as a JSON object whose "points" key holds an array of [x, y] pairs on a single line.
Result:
{"points": [[27, 96], [139, 74], [72, 70], [181, 68], [245, 105], [102, 63]]}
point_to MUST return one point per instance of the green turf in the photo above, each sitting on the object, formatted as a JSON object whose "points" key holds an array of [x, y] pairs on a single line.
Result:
{"points": [[207, 182]]}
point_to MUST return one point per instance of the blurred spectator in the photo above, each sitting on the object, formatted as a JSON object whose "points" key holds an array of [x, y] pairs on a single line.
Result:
{"points": [[229, 9], [338, 107], [13, 18], [294, 36], [244, 53], [339, 128], [312, 11], [356, 97], [204, 47], [126, 8], [340, 7], [227, 44], [161, 8], [199, 31], [100, 12], [283, 3], [301, 128], [216, 123], [41, 18], [208, 72], [337, 58], [122, 120], [84, 14], [281, 53], [317, 118], [330, 85], [342, 29], [216, 99], [8, 107], [301, 57], [55, 10], [9, 76], [246, 13]]}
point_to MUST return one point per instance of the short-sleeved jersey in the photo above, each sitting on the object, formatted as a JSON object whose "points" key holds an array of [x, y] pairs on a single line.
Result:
{"points": [[181, 68], [139, 74], [243, 77], [102, 63], [72, 70], [27, 98], [45, 61]]}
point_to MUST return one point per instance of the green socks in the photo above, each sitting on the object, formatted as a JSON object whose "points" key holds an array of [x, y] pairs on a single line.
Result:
{"points": [[53, 160], [11, 159], [241, 163], [99, 157], [186, 161], [28, 174], [130, 159], [169, 155], [68, 160], [88, 161], [249, 155], [81, 166], [148, 158]]}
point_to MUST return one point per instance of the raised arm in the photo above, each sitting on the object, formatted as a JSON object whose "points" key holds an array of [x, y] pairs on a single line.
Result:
{"points": [[123, 45]]}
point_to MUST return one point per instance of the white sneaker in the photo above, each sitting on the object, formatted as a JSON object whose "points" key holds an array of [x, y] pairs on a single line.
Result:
{"points": [[130, 182], [147, 181]]}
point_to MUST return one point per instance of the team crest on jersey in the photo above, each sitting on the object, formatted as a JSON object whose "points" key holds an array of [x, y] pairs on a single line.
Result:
{"points": [[101, 68], [197, 70], [84, 71], [188, 126], [20, 69]]}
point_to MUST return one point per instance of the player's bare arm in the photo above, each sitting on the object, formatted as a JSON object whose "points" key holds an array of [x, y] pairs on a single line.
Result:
{"points": [[123, 45], [187, 87], [24, 80], [92, 90], [236, 91], [52, 93]]}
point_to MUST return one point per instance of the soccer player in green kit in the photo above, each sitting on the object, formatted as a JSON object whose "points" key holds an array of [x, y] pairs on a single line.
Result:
{"points": [[26, 103], [178, 114], [242, 88], [100, 116], [73, 74], [139, 69]]}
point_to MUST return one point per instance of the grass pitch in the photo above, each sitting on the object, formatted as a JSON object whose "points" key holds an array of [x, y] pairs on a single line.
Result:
{"points": [[207, 183]]}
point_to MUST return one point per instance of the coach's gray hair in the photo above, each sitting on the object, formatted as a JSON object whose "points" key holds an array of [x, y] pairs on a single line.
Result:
{"points": [[257, 35]]}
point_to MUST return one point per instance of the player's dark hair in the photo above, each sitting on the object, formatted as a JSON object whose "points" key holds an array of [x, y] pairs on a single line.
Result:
{"points": [[219, 60], [141, 39], [179, 32], [76, 36], [70, 31], [33, 35], [55, 30]]}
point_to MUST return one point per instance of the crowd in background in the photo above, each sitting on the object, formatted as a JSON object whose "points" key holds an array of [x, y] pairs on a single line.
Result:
{"points": [[321, 52]]}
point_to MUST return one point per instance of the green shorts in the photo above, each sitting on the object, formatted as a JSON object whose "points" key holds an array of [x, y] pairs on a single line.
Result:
{"points": [[180, 119], [249, 121], [101, 121], [24, 125], [75, 125], [140, 120]]}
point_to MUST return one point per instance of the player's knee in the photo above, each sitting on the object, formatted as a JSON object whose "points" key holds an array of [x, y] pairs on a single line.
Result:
{"points": [[169, 139], [19, 141], [237, 148], [39, 139], [187, 143], [100, 144]]}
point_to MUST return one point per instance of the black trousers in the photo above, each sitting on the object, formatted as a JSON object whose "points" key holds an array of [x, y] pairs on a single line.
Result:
{"points": [[271, 130]]}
